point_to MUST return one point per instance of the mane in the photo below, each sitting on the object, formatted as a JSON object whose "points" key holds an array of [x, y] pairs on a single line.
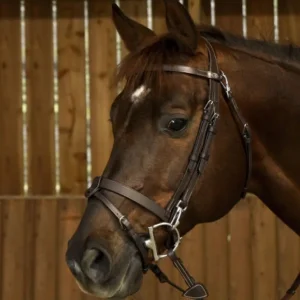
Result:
{"points": [[285, 53], [146, 64]]}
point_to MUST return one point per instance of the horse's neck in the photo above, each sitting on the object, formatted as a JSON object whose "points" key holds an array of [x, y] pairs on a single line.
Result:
{"points": [[269, 98]]}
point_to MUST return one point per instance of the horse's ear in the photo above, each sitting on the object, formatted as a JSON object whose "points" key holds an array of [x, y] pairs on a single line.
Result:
{"points": [[180, 23], [131, 32]]}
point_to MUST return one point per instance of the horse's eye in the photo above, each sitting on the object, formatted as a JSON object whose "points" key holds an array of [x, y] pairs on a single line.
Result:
{"points": [[177, 124]]}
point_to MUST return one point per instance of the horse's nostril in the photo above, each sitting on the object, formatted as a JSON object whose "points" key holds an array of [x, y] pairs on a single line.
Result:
{"points": [[96, 265], [98, 260]]}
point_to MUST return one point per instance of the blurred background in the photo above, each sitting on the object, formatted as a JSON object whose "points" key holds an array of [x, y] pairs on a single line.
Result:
{"points": [[56, 62]]}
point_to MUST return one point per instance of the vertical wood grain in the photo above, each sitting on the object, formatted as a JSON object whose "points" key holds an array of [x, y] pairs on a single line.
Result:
{"points": [[13, 264], [12, 281], [264, 252], [41, 235], [72, 133], [216, 258], [103, 92], [240, 263], [11, 167], [260, 20]]}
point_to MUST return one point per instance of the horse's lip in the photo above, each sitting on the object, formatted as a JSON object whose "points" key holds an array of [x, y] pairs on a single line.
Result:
{"points": [[134, 265]]}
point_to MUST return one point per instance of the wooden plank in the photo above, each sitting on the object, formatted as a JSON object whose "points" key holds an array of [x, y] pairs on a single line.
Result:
{"points": [[205, 12], [45, 249], [69, 215], [288, 242], [289, 17], [216, 258], [12, 280], [72, 133], [40, 98], [72, 119], [13, 275], [41, 233], [10, 104], [159, 17], [29, 251], [264, 252], [229, 16], [102, 66], [260, 20], [240, 263]]}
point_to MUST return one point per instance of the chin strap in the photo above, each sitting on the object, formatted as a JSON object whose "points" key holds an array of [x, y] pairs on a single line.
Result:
{"points": [[162, 277], [194, 290]]}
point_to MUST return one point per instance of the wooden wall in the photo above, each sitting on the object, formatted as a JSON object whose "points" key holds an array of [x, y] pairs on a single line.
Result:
{"points": [[247, 255]]}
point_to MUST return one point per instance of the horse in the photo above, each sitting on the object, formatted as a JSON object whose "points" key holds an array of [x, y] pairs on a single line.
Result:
{"points": [[204, 117]]}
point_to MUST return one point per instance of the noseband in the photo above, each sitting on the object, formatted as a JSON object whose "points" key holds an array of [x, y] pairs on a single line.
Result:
{"points": [[171, 215]]}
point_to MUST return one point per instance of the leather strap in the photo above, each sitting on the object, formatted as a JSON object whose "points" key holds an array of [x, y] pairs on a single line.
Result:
{"points": [[126, 226], [162, 277], [207, 128], [129, 193], [246, 133], [193, 159], [192, 71], [195, 290]]}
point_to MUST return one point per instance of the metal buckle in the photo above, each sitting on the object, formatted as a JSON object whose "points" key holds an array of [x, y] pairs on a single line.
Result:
{"points": [[214, 118], [121, 221], [176, 218], [226, 84], [151, 243], [207, 105]]}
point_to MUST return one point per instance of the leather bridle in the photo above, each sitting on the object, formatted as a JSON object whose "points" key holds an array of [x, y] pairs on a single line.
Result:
{"points": [[171, 215]]}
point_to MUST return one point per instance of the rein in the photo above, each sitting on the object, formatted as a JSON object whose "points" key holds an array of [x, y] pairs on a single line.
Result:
{"points": [[171, 215]]}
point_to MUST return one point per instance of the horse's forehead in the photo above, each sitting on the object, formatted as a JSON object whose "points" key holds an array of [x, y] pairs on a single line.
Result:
{"points": [[140, 94], [143, 90]]}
